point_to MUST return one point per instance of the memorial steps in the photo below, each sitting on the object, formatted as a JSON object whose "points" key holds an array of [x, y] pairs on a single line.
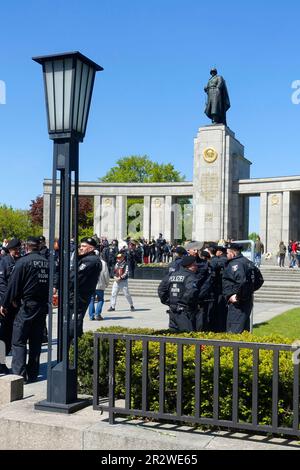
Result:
{"points": [[281, 285]]}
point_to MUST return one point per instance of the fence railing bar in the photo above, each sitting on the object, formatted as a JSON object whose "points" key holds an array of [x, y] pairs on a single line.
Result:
{"points": [[275, 382], [198, 381], [179, 379], [255, 371], [145, 376], [235, 386], [216, 382], [162, 377], [296, 398], [96, 386], [111, 379], [128, 373]]}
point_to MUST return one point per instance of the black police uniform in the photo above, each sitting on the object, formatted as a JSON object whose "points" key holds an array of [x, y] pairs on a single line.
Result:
{"points": [[89, 268], [218, 264], [180, 292], [29, 285], [7, 264], [175, 265], [237, 277], [205, 282]]}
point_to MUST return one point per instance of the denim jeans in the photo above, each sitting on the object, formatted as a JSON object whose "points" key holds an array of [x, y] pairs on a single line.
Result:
{"points": [[92, 312]]}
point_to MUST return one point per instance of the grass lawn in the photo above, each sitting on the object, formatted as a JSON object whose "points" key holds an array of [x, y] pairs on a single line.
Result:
{"points": [[287, 324]]}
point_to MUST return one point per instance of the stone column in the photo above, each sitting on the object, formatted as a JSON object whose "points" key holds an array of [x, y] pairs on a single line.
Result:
{"points": [[108, 216], [157, 217], [121, 219], [167, 232], [218, 162], [263, 220], [46, 216], [146, 218], [286, 204], [274, 221], [97, 215]]}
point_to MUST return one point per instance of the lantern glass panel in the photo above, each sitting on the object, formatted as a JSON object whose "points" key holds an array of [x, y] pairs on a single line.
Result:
{"points": [[69, 72], [77, 92], [89, 90], [82, 98], [50, 94], [58, 67]]}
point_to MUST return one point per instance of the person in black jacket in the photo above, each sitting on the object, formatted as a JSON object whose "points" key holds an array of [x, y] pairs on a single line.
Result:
{"points": [[180, 292], [89, 268], [7, 264], [174, 266], [217, 264], [238, 287], [28, 286]]}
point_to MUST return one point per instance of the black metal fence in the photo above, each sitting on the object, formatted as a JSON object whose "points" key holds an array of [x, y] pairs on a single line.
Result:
{"points": [[121, 373]]}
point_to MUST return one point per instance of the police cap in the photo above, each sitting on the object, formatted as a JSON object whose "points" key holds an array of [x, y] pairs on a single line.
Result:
{"points": [[89, 240], [13, 243], [194, 245], [221, 248], [181, 251], [235, 246], [33, 241], [188, 260], [205, 254]]}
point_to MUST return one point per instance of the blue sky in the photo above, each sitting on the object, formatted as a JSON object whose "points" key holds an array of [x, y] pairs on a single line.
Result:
{"points": [[149, 99]]}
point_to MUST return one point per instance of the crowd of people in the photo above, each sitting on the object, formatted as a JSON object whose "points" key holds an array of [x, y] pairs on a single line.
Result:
{"points": [[210, 288], [207, 288]]}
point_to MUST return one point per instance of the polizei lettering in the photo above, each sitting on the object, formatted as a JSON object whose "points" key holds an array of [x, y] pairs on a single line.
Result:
{"points": [[176, 278], [40, 263]]}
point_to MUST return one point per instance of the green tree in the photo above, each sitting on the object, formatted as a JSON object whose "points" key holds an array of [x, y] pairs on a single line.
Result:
{"points": [[16, 223], [253, 236], [140, 169]]}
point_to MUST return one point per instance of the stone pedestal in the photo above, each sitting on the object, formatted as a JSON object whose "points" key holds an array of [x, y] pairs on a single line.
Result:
{"points": [[11, 388], [219, 212]]}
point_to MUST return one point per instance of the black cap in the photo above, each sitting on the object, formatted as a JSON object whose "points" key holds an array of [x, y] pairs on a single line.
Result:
{"points": [[13, 243], [188, 260], [181, 251], [221, 248], [205, 254], [42, 238], [89, 240], [33, 240], [235, 246]]}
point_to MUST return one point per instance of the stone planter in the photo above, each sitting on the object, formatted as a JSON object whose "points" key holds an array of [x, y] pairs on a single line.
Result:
{"points": [[155, 273]]}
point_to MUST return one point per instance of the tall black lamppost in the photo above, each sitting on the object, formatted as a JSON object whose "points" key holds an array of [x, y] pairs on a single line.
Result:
{"points": [[68, 80]]}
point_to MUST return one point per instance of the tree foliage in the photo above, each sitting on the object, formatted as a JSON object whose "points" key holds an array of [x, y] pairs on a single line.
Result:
{"points": [[16, 223], [140, 169], [253, 236], [36, 211]]}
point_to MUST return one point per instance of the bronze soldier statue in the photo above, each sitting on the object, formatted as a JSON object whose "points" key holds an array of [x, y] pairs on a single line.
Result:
{"points": [[217, 98]]}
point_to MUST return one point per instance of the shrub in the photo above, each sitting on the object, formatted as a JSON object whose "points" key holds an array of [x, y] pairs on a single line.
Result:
{"points": [[286, 374]]}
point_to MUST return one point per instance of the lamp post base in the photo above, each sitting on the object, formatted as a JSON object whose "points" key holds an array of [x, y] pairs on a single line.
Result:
{"points": [[66, 408]]}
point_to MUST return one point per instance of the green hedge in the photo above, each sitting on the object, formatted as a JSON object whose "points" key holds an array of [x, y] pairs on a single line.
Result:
{"points": [[85, 377]]}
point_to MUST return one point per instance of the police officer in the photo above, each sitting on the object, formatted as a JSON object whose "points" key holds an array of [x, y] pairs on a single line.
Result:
{"points": [[7, 264], [28, 285], [89, 268], [174, 266], [180, 292], [217, 264], [238, 289]]}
